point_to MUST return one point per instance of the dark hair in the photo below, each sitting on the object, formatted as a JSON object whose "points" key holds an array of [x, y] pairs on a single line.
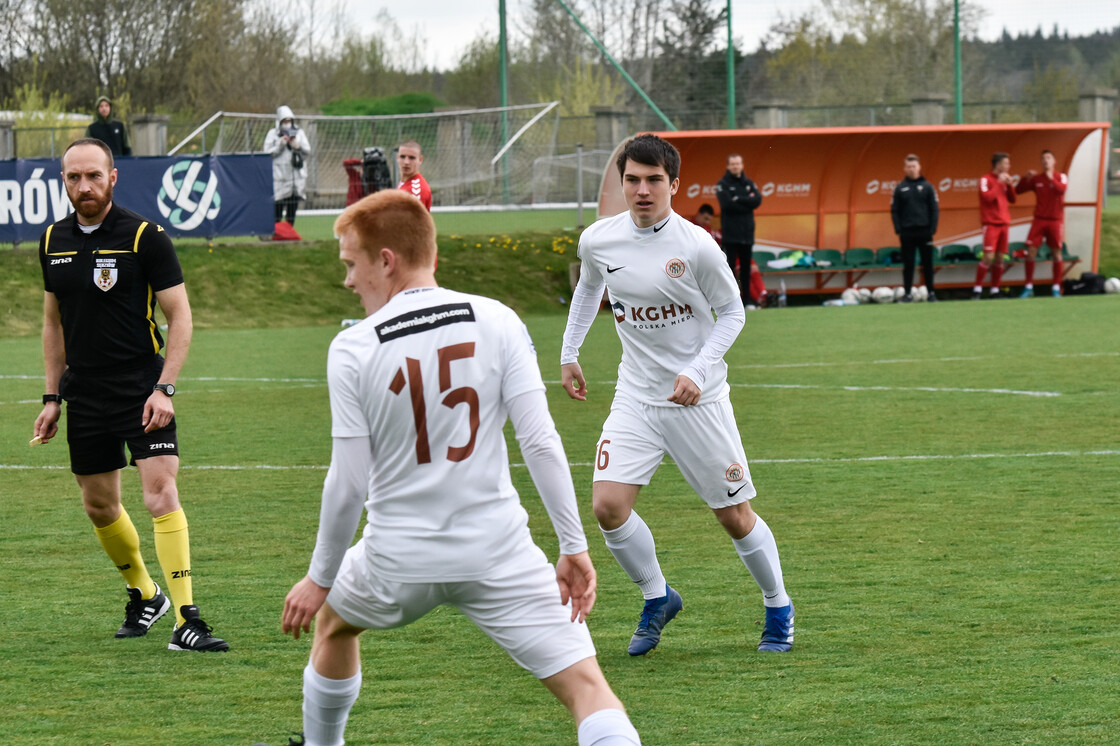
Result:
{"points": [[1051, 152], [913, 157], [997, 157], [650, 150], [706, 209], [734, 155], [90, 141]]}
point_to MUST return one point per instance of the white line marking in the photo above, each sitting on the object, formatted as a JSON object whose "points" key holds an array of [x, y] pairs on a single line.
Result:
{"points": [[899, 361], [520, 465], [931, 389], [934, 389]]}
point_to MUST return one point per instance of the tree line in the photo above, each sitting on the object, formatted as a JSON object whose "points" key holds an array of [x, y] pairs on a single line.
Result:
{"points": [[190, 58]]}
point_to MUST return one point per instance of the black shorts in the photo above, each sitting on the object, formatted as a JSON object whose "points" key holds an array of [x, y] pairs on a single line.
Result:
{"points": [[103, 412]]}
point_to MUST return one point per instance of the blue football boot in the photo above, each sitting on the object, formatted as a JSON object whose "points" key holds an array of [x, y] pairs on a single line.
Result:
{"points": [[777, 635], [655, 615]]}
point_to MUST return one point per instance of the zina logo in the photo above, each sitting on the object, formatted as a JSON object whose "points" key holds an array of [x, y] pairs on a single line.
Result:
{"points": [[186, 200]]}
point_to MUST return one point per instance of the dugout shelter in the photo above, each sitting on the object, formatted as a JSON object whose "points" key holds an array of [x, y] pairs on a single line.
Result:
{"points": [[830, 188]]}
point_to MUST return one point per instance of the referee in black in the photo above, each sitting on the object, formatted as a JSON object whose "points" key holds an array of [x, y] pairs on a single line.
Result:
{"points": [[104, 270], [914, 210]]}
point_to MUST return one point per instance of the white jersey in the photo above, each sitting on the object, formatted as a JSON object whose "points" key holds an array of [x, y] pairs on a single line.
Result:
{"points": [[662, 283], [426, 378]]}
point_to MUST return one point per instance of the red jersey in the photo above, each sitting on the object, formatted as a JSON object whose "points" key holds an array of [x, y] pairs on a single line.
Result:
{"points": [[995, 198], [1049, 193], [712, 232], [418, 187]]}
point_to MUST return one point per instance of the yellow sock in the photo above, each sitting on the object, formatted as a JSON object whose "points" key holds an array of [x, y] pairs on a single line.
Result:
{"points": [[122, 544], [173, 548]]}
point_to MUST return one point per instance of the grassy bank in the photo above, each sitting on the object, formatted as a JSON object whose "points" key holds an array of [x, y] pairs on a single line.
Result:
{"points": [[284, 285]]}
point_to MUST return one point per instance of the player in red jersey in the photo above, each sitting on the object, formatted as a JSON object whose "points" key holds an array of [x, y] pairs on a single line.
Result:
{"points": [[996, 194], [703, 218], [1049, 189], [409, 159]]}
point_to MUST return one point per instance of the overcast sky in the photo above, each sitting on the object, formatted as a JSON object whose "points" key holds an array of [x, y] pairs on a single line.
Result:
{"points": [[448, 25]]}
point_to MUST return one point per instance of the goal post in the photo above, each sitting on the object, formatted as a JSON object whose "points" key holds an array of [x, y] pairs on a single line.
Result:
{"points": [[466, 161]]}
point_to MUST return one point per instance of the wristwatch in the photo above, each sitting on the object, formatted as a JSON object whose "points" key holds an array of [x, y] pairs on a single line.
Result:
{"points": [[56, 398], [167, 388]]}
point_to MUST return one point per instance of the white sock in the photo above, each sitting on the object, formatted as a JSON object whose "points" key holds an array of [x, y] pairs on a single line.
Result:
{"points": [[632, 546], [759, 553], [994, 291], [326, 706], [1056, 286], [1029, 286], [977, 289], [608, 728]]}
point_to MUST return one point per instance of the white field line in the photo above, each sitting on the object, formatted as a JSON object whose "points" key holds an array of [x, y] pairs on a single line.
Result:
{"points": [[901, 361], [585, 464], [931, 389]]}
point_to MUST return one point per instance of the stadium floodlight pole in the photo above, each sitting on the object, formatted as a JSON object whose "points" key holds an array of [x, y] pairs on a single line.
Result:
{"points": [[503, 85], [730, 73], [957, 57], [633, 84]]}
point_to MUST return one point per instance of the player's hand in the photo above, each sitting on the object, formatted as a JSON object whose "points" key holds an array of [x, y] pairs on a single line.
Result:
{"points": [[1006, 178], [1030, 174], [46, 424], [571, 378], [302, 604], [158, 411], [576, 577], [685, 391]]}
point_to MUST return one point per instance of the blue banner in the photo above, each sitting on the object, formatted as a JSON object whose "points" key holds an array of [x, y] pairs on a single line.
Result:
{"points": [[203, 196]]}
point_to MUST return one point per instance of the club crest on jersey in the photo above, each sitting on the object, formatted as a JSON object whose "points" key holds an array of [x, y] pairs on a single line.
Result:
{"points": [[105, 274], [734, 473], [674, 268]]}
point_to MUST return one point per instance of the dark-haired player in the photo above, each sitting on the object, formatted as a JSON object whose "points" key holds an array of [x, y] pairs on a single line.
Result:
{"points": [[664, 277], [1049, 189], [996, 195]]}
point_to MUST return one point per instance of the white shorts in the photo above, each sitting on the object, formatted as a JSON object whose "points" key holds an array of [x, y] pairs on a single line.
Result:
{"points": [[703, 440], [518, 607]]}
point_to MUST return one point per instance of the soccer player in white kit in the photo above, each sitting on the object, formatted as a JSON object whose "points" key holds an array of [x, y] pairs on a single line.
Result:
{"points": [[419, 392], [664, 278]]}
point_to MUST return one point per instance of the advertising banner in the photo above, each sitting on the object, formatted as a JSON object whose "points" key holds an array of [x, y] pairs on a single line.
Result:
{"points": [[203, 196]]}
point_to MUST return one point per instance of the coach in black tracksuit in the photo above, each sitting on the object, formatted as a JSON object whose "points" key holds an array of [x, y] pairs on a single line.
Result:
{"points": [[914, 211], [738, 199]]}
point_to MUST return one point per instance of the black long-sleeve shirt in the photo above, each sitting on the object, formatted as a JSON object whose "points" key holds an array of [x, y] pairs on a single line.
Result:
{"points": [[738, 198], [914, 207]]}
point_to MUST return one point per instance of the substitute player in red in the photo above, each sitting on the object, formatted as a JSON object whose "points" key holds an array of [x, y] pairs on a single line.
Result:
{"points": [[996, 195], [409, 159], [1049, 189]]}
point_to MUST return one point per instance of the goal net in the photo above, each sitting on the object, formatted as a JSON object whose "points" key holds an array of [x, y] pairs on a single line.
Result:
{"points": [[471, 157]]}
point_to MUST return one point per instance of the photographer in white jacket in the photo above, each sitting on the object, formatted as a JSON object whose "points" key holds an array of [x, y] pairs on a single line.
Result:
{"points": [[289, 148]]}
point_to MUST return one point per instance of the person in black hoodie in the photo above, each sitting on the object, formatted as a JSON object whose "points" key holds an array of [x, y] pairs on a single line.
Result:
{"points": [[738, 198], [914, 210], [108, 130]]}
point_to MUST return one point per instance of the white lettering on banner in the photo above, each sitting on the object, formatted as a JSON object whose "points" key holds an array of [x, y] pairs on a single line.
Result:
{"points": [[35, 198], [34, 202], [786, 190], [9, 203], [694, 190], [60, 201], [958, 185]]}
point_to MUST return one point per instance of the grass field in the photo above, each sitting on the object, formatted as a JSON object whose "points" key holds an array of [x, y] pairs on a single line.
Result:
{"points": [[942, 481]]}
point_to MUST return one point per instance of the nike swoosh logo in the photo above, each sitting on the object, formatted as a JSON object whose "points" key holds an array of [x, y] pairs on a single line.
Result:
{"points": [[611, 269], [656, 228], [736, 492]]}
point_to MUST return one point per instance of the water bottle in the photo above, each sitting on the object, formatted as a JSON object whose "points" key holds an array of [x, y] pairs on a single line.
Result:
{"points": [[781, 294]]}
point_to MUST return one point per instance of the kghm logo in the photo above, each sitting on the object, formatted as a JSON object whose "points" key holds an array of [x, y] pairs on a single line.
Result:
{"points": [[184, 199]]}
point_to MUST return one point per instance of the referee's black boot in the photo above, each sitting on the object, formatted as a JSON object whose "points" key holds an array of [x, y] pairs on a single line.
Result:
{"points": [[195, 634]]}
